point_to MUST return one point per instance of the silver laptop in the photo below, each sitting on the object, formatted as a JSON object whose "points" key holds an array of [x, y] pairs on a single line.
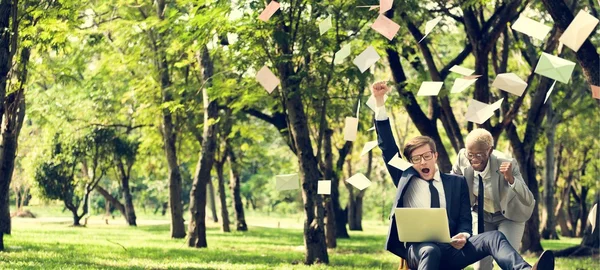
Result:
{"points": [[422, 225]]}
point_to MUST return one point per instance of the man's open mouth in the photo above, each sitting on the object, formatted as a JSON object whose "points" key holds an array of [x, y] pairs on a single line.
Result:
{"points": [[425, 170]]}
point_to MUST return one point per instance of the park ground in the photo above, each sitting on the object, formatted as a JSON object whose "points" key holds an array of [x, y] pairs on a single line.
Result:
{"points": [[49, 242]]}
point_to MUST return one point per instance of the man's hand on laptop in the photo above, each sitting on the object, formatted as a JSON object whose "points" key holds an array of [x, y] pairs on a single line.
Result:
{"points": [[458, 241]]}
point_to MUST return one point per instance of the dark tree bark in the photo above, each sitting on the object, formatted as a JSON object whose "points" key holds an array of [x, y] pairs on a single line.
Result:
{"points": [[314, 227], [212, 201], [355, 205], [168, 129], [112, 200], [341, 215], [124, 175], [197, 226], [222, 196], [549, 226], [330, 234], [234, 184], [7, 42]]}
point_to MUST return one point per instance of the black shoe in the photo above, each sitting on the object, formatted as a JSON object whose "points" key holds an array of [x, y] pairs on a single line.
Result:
{"points": [[545, 262]]}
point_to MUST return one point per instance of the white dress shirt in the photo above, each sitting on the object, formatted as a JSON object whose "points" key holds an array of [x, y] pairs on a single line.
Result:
{"points": [[418, 195], [489, 204], [381, 114]]}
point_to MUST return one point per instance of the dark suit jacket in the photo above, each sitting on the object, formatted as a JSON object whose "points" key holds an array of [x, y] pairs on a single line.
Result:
{"points": [[455, 189]]}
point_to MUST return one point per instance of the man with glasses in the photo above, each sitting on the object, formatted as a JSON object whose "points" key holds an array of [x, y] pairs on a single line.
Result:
{"points": [[499, 197], [423, 186]]}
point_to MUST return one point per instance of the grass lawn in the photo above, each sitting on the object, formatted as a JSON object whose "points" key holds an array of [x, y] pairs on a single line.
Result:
{"points": [[50, 243]]}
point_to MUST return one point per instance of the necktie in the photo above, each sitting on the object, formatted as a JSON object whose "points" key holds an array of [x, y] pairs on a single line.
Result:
{"points": [[435, 196], [480, 225]]}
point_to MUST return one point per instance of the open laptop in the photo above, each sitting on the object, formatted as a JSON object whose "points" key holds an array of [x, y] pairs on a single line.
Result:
{"points": [[422, 225]]}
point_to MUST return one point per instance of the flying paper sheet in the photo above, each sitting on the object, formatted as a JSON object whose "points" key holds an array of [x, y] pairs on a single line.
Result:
{"points": [[372, 104], [429, 27], [530, 27], [385, 26], [342, 54], [359, 181], [370, 7], [385, 5], [267, 79], [549, 92], [350, 129], [479, 112], [366, 59], [269, 11], [325, 25], [592, 216], [430, 88], [596, 92], [287, 182], [460, 84], [579, 30], [462, 70], [511, 83], [555, 68], [399, 163], [324, 187], [368, 147]]}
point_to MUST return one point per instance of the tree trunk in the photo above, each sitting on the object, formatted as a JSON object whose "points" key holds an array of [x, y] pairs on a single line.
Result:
{"points": [[583, 211], [234, 184], [222, 198], [328, 204], [212, 202], [565, 225], [12, 122], [197, 226], [169, 132], [355, 212], [314, 227], [124, 176], [549, 228], [531, 236], [355, 209], [110, 199], [129, 209], [592, 238], [76, 217], [341, 215], [7, 40]]}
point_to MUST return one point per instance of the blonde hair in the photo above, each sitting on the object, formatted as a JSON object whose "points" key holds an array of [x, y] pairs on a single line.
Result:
{"points": [[480, 136]]}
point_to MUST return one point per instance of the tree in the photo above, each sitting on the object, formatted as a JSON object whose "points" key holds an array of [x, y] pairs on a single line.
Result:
{"points": [[74, 169], [206, 159]]}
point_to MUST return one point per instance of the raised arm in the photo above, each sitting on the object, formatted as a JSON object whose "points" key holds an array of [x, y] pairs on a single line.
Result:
{"points": [[385, 137]]}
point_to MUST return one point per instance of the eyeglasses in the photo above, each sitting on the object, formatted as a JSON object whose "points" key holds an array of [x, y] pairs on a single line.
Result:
{"points": [[471, 156], [417, 159]]}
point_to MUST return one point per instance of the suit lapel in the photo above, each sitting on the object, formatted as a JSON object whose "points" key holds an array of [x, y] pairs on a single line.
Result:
{"points": [[495, 175], [448, 192], [470, 176]]}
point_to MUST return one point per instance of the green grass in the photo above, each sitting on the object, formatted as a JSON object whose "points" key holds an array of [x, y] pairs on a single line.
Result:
{"points": [[50, 243]]}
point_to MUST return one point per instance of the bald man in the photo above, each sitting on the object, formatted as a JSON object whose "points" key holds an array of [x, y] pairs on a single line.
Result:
{"points": [[500, 198]]}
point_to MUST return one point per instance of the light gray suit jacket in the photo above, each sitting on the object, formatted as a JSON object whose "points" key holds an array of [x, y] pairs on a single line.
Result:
{"points": [[516, 203]]}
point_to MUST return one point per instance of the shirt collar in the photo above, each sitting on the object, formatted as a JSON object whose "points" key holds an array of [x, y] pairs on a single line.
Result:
{"points": [[437, 176]]}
